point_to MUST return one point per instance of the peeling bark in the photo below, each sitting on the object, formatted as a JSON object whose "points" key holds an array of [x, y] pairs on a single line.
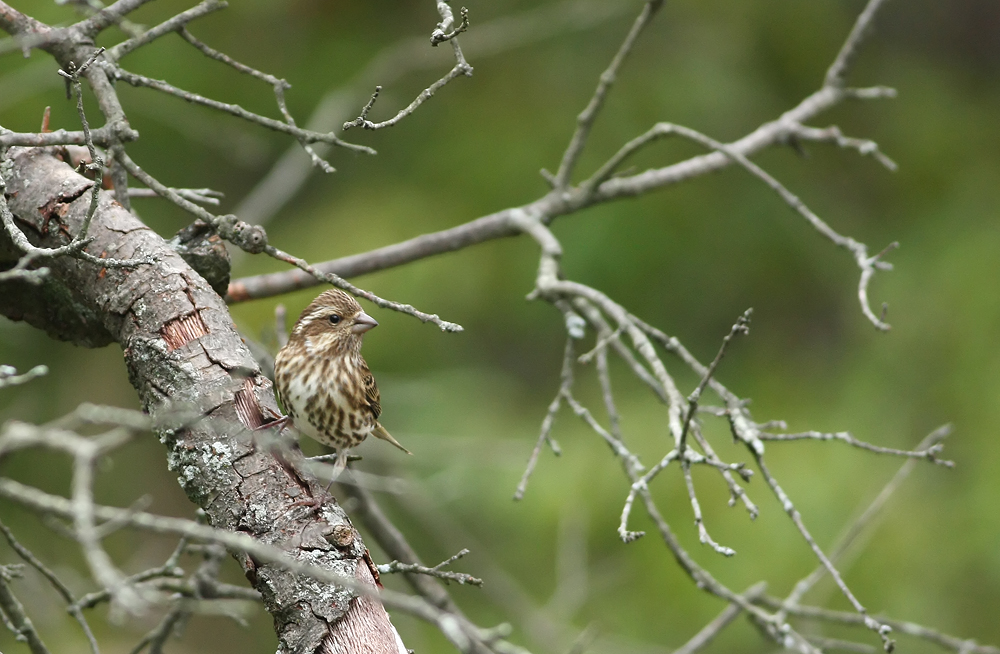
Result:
{"points": [[183, 352]]}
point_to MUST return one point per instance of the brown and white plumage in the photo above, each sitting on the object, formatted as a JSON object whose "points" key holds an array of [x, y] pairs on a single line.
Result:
{"points": [[323, 381]]}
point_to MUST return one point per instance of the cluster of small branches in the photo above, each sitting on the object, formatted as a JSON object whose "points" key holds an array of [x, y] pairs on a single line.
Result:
{"points": [[636, 342], [101, 67], [583, 309], [184, 594], [167, 584]]}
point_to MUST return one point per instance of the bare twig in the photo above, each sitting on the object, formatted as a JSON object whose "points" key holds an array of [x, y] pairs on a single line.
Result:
{"points": [[545, 436], [441, 33], [736, 491], [832, 134], [105, 135], [928, 454], [394, 543], [881, 629], [76, 247], [395, 62], [458, 631], [585, 121], [699, 521], [108, 16], [837, 73], [279, 86], [56, 583], [426, 94], [253, 239], [200, 195], [741, 326], [436, 571], [341, 283], [857, 527], [169, 570], [723, 620], [14, 615], [9, 376], [462, 67], [306, 136], [601, 187], [166, 27], [867, 264], [960, 645]]}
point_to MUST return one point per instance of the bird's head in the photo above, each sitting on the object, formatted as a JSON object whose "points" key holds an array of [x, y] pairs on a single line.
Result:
{"points": [[333, 320]]}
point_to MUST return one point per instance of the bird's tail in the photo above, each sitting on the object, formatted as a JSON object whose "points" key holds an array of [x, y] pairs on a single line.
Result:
{"points": [[380, 432]]}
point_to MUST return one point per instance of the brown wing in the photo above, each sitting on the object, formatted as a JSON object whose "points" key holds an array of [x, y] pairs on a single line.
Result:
{"points": [[371, 390]]}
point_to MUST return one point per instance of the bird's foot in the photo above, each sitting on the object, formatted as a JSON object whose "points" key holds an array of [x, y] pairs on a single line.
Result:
{"points": [[281, 422]]}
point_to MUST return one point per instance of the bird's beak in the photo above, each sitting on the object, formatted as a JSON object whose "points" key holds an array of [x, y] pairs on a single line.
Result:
{"points": [[362, 323]]}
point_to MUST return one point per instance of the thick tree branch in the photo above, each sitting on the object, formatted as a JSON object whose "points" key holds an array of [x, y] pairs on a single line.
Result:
{"points": [[205, 370], [549, 207]]}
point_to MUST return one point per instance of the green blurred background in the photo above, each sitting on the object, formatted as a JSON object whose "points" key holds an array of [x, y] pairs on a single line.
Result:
{"points": [[688, 259]]}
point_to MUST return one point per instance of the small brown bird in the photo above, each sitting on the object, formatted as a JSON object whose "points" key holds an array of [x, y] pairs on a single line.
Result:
{"points": [[323, 381]]}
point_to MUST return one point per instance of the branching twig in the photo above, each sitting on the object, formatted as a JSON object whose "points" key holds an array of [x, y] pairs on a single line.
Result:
{"points": [[253, 239], [14, 616], [279, 86], [441, 33], [166, 27], [76, 247], [959, 645], [585, 120], [854, 530], [881, 629], [394, 543], [56, 583], [459, 632], [867, 264], [303, 135], [462, 67], [436, 571], [399, 60], [832, 134], [741, 326]]}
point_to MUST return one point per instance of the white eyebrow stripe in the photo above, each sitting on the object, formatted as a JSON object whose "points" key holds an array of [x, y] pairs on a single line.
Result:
{"points": [[318, 313], [303, 323]]}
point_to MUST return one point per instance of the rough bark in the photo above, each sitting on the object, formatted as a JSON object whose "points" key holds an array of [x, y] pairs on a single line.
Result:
{"points": [[183, 353]]}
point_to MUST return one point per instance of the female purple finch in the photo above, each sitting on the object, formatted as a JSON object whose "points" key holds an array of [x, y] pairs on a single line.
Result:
{"points": [[323, 381]]}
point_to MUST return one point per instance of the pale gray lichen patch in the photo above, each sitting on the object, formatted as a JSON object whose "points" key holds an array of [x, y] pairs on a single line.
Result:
{"points": [[217, 451], [205, 469], [188, 479], [256, 515], [171, 373], [327, 601]]}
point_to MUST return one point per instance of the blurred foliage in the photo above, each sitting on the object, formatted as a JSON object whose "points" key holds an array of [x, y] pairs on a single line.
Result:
{"points": [[687, 259]]}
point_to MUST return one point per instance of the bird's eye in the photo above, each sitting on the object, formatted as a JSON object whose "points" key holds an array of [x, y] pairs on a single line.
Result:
{"points": [[334, 319]]}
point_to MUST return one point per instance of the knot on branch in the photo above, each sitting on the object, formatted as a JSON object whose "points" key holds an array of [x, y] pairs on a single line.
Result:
{"points": [[250, 238], [205, 251], [122, 132], [439, 35]]}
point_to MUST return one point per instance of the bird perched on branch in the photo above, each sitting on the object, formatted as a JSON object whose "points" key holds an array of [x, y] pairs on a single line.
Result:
{"points": [[323, 381]]}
